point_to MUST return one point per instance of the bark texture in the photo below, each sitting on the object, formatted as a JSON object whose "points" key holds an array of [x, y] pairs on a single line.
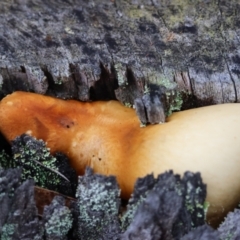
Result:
{"points": [[101, 50]]}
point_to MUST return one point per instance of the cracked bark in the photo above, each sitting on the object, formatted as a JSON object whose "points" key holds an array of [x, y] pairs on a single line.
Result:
{"points": [[101, 50]]}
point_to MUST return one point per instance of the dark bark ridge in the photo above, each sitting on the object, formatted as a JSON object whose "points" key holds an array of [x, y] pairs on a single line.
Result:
{"points": [[161, 211]]}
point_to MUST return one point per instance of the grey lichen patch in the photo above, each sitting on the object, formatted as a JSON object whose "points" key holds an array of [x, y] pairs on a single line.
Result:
{"points": [[60, 223], [7, 231], [36, 79], [57, 219], [60, 72], [121, 73], [98, 203]]}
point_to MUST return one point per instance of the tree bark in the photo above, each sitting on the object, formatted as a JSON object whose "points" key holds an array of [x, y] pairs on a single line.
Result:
{"points": [[134, 51]]}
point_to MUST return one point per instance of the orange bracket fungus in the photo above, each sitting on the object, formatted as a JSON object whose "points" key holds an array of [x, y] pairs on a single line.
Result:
{"points": [[107, 137]]}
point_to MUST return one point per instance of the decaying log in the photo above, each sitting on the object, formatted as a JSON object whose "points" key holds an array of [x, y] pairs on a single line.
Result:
{"points": [[92, 50]]}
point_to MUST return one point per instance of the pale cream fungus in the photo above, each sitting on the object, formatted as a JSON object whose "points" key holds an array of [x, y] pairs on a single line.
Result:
{"points": [[107, 136]]}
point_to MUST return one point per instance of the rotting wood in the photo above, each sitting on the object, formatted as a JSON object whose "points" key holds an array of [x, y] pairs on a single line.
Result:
{"points": [[101, 50]]}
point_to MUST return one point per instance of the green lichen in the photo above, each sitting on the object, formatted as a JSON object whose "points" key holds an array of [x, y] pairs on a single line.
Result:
{"points": [[137, 13], [173, 96], [129, 214], [36, 161], [5, 160], [206, 205], [176, 103], [127, 104], [164, 81]]}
